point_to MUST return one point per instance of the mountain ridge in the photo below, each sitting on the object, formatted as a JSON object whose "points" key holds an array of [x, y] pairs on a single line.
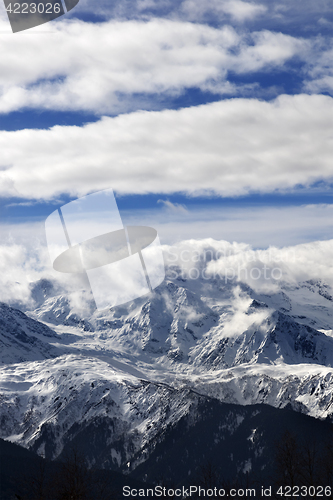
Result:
{"points": [[118, 369]]}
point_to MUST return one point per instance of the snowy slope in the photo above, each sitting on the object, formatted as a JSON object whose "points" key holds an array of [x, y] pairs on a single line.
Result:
{"points": [[24, 339], [309, 303], [64, 396]]}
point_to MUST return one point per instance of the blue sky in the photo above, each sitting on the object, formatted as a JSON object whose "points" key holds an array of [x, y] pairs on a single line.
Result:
{"points": [[209, 119]]}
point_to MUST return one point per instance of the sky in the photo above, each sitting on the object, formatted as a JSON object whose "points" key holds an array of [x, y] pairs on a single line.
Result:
{"points": [[208, 119]]}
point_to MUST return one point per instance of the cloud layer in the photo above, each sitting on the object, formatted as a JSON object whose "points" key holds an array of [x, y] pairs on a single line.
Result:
{"points": [[306, 15], [101, 68], [229, 148], [263, 270]]}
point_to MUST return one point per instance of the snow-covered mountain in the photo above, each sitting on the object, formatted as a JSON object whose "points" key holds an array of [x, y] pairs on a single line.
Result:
{"points": [[135, 371], [24, 339]]}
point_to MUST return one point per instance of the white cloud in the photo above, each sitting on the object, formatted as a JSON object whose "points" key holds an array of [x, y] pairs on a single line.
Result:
{"points": [[263, 270], [24, 259], [242, 11], [238, 10], [319, 71], [175, 208], [229, 148], [18, 268], [97, 67]]}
